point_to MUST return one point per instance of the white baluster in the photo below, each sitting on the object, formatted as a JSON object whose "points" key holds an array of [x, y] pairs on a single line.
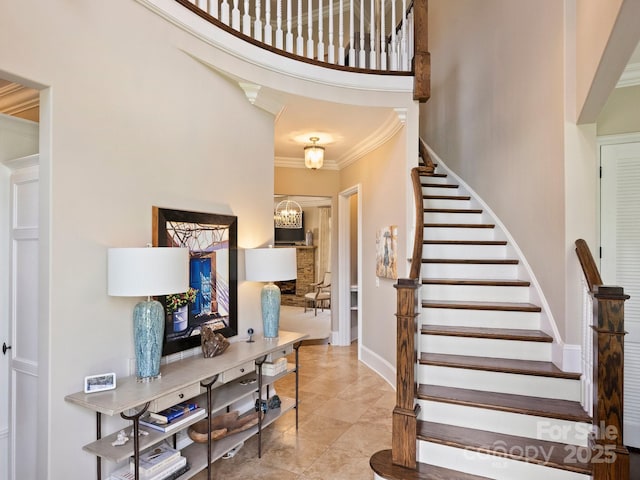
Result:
{"points": [[331, 58], [393, 48], [362, 60], [213, 9], [257, 23], [410, 38], [289, 36], [202, 5], [299, 39], [341, 35], [372, 39], [235, 16], [403, 45], [224, 12], [246, 20], [352, 49], [267, 24], [309, 29], [320, 32], [383, 40], [279, 43]]}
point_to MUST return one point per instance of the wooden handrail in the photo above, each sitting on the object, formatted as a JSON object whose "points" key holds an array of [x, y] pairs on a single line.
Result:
{"points": [[589, 268], [610, 457], [416, 257]]}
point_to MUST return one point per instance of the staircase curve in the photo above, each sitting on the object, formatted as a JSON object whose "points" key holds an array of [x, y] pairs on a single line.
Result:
{"points": [[489, 401]]}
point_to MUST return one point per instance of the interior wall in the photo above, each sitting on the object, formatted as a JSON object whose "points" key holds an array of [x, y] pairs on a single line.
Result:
{"points": [[382, 177], [134, 123], [496, 118]]}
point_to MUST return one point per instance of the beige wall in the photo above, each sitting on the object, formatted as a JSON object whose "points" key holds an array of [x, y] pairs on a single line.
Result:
{"points": [[382, 178], [135, 122], [496, 118], [621, 114]]}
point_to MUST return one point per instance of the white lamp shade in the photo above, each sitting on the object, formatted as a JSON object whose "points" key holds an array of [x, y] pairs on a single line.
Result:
{"points": [[141, 272], [270, 264]]}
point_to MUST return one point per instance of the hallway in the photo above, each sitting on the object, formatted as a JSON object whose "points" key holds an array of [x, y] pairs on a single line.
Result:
{"points": [[345, 416]]}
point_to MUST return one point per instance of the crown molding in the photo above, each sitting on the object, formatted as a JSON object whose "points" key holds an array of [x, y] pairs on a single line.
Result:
{"points": [[630, 77], [16, 98]]}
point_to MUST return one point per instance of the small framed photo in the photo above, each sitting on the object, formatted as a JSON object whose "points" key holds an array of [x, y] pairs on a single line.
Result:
{"points": [[100, 382]]}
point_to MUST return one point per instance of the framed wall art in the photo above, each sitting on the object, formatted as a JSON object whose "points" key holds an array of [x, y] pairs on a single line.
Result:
{"points": [[387, 252], [213, 263]]}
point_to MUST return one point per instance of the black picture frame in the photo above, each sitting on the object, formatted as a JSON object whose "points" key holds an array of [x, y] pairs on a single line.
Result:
{"points": [[212, 240]]}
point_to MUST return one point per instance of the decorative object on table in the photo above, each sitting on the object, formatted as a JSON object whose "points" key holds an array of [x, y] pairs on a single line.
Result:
{"points": [[313, 154], [222, 425], [211, 239], [250, 332], [100, 382], [270, 265], [178, 305], [273, 368], [269, 404], [137, 272], [173, 412], [274, 402], [155, 460], [387, 252], [308, 238], [121, 439], [213, 343], [170, 471]]}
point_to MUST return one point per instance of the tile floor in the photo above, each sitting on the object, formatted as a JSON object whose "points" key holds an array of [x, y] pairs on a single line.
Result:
{"points": [[345, 417]]}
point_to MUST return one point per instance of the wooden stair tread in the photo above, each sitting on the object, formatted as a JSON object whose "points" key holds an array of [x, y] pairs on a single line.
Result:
{"points": [[482, 332], [508, 446], [464, 242], [506, 402], [500, 306], [459, 225], [504, 365], [452, 210], [382, 464], [439, 185], [483, 282], [477, 261], [446, 197]]}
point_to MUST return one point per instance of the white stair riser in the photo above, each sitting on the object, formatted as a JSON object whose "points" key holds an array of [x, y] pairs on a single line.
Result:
{"points": [[480, 318], [441, 217], [486, 347], [440, 191], [446, 203], [468, 270], [509, 423], [491, 466], [531, 385], [439, 180], [463, 251], [486, 293], [458, 233]]}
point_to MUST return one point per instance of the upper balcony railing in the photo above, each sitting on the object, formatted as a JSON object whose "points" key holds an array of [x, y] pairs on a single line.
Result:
{"points": [[372, 36]]}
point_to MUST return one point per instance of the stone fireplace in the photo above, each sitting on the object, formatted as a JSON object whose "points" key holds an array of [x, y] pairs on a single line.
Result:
{"points": [[293, 290]]}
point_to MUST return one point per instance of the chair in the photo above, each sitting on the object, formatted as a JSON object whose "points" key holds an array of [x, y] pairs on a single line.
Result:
{"points": [[321, 294]]}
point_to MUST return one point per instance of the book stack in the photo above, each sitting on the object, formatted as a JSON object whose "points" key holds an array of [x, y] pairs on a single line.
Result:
{"points": [[173, 417], [275, 368], [161, 462]]}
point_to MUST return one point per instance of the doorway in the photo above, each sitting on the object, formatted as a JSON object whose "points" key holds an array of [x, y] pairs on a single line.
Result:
{"points": [[620, 262]]}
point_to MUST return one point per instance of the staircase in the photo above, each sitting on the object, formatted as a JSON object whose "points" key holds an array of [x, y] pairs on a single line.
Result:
{"points": [[492, 405]]}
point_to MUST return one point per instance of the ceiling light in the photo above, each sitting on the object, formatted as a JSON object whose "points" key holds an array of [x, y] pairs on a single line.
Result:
{"points": [[313, 155], [288, 214]]}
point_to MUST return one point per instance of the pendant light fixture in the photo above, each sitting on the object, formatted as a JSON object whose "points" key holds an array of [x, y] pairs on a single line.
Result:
{"points": [[313, 155]]}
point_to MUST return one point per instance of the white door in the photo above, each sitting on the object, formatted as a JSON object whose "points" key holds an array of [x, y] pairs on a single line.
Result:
{"points": [[620, 263]]}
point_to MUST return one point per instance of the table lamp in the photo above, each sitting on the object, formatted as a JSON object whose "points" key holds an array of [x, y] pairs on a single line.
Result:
{"points": [[143, 272], [270, 265]]}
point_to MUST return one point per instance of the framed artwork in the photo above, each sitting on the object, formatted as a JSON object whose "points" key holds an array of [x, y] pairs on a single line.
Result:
{"points": [[387, 252], [213, 264]]}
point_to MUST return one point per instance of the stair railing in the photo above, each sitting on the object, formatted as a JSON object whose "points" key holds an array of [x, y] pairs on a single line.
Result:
{"points": [[603, 382], [405, 413], [318, 34]]}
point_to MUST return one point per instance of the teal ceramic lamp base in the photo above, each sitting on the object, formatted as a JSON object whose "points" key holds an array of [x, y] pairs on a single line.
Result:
{"points": [[270, 301], [148, 333]]}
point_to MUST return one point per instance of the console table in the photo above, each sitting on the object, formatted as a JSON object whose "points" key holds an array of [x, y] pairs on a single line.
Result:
{"points": [[215, 382]]}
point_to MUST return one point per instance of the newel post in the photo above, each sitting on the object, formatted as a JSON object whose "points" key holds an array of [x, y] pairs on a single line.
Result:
{"points": [[610, 457], [405, 413]]}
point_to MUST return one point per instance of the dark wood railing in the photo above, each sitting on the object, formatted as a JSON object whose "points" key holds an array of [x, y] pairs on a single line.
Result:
{"points": [[610, 457]]}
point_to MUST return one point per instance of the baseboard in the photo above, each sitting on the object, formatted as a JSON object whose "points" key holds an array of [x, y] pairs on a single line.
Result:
{"points": [[379, 365]]}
